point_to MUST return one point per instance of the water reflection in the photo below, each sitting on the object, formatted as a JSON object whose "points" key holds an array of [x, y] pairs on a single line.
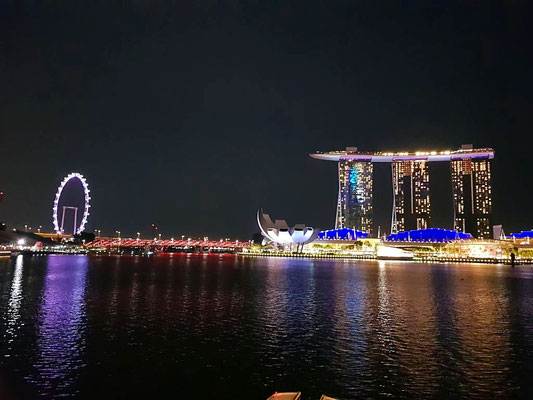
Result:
{"points": [[412, 316], [61, 334], [272, 306], [138, 326], [15, 298], [482, 325]]}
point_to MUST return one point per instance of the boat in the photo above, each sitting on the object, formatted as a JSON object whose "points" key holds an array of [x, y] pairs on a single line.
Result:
{"points": [[286, 396], [294, 396], [393, 253]]}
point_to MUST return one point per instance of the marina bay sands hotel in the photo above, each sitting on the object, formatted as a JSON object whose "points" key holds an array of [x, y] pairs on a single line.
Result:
{"points": [[471, 188]]}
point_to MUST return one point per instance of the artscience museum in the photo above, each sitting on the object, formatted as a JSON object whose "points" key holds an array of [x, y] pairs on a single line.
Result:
{"points": [[278, 231]]}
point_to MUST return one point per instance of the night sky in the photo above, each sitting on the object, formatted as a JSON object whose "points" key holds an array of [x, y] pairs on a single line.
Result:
{"points": [[192, 115]]}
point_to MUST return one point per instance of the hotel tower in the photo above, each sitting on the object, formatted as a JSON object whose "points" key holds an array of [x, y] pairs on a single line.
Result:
{"points": [[354, 203], [472, 196], [411, 204], [411, 209]]}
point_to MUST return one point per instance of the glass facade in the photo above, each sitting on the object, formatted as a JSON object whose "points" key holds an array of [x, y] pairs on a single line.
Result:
{"points": [[412, 205], [354, 205], [472, 196]]}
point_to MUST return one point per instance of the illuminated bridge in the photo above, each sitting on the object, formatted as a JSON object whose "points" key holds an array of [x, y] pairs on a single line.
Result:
{"points": [[113, 244]]}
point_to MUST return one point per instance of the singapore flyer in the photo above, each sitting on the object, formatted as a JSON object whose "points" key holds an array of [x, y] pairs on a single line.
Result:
{"points": [[59, 227]]}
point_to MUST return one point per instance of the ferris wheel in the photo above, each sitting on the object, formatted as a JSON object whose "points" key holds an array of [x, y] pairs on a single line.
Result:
{"points": [[77, 229]]}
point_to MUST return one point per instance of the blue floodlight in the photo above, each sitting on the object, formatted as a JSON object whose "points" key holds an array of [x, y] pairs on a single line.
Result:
{"points": [[342, 234], [522, 235], [428, 235]]}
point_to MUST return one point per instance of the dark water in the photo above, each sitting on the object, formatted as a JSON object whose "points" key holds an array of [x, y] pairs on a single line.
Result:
{"points": [[215, 327]]}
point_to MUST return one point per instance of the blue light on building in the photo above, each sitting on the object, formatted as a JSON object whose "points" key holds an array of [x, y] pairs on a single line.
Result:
{"points": [[522, 235], [354, 203], [342, 234], [352, 200], [353, 176], [428, 235]]}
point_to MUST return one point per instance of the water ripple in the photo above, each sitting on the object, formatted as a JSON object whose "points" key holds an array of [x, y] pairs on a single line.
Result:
{"points": [[134, 326]]}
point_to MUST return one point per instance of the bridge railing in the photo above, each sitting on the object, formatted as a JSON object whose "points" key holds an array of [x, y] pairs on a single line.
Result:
{"points": [[142, 243]]}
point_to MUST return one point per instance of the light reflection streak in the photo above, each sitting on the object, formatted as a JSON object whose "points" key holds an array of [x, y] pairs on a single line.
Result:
{"points": [[354, 295], [274, 303], [350, 340], [114, 299], [15, 298], [384, 311], [61, 334], [415, 328], [483, 329]]}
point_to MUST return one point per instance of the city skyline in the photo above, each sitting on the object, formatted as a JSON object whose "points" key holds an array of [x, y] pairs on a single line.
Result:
{"points": [[470, 172], [192, 121], [167, 217]]}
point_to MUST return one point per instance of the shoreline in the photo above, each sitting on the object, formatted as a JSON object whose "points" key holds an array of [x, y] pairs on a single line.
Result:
{"points": [[428, 260], [363, 257]]}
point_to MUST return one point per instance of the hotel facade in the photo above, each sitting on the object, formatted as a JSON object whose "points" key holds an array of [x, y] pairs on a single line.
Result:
{"points": [[411, 209]]}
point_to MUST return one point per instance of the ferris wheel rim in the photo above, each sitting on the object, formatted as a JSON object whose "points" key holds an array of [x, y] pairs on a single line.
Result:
{"points": [[87, 198]]}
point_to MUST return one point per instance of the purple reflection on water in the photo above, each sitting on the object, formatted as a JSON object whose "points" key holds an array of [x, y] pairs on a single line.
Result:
{"points": [[61, 334]]}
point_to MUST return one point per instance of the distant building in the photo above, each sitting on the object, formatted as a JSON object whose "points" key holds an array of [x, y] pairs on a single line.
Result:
{"points": [[472, 196], [471, 183], [411, 208], [354, 204], [279, 232]]}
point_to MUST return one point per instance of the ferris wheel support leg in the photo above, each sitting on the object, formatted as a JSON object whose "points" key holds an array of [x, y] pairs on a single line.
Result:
{"points": [[62, 219], [75, 220]]}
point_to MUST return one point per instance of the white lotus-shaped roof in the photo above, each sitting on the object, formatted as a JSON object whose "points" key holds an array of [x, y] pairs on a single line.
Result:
{"points": [[279, 232]]}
